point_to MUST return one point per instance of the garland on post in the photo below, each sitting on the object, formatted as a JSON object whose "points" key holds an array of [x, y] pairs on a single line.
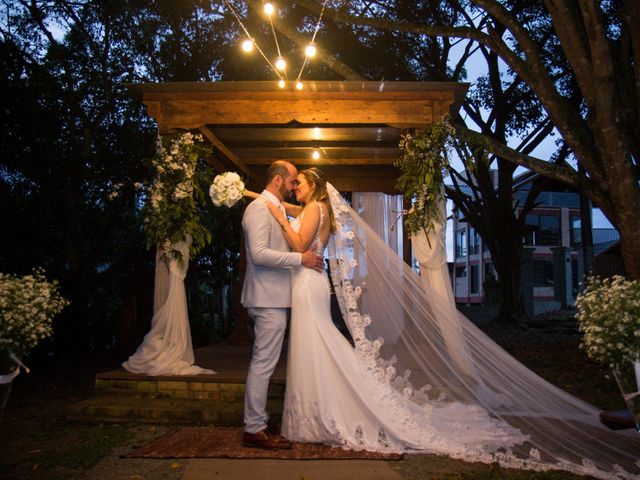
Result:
{"points": [[423, 163], [172, 214]]}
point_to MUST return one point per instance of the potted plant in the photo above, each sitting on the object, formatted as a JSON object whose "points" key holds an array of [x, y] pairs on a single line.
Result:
{"points": [[27, 306], [609, 317]]}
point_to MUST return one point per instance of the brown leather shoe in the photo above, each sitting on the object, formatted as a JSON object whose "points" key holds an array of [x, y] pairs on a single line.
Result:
{"points": [[262, 439]]}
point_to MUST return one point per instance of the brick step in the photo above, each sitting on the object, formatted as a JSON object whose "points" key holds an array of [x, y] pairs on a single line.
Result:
{"points": [[147, 409], [224, 391]]}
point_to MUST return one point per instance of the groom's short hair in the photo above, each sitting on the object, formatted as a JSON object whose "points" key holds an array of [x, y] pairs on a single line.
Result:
{"points": [[279, 167]]}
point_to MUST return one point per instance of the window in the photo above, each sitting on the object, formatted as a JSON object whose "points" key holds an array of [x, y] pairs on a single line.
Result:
{"points": [[461, 243], [576, 231], [461, 272], [530, 236], [549, 230], [542, 230], [474, 242], [475, 273]]}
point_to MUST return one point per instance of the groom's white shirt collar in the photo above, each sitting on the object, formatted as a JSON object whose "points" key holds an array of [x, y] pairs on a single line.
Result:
{"points": [[271, 197]]}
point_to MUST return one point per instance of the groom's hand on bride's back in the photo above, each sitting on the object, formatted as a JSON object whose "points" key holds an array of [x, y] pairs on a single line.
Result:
{"points": [[312, 260]]}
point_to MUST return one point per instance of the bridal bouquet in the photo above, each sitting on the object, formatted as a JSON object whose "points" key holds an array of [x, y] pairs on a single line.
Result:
{"points": [[27, 307], [609, 317], [227, 189]]}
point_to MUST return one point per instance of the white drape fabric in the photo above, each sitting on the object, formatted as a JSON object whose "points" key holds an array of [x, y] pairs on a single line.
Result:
{"points": [[407, 329], [382, 214], [430, 250], [167, 348]]}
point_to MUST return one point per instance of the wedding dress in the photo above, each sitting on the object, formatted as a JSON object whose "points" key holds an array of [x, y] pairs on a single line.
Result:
{"points": [[467, 398]]}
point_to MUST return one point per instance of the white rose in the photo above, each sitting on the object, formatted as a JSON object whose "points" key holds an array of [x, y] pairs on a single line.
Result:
{"points": [[232, 192]]}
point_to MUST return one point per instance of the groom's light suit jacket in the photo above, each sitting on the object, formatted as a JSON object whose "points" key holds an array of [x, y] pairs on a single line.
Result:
{"points": [[267, 283]]}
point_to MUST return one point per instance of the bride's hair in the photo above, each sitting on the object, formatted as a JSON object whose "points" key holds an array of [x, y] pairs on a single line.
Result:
{"points": [[315, 177]]}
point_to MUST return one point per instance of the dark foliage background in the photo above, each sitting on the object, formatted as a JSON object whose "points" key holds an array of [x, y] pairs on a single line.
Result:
{"points": [[72, 136]]}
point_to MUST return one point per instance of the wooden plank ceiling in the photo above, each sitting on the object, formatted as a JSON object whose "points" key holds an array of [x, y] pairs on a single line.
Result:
{"points": [[356, 126]]}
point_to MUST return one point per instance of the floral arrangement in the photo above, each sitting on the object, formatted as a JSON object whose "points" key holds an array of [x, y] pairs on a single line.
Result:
{"points": [[172, 213], [422, 165], [27, 307], [609, 317], [227, 189]]}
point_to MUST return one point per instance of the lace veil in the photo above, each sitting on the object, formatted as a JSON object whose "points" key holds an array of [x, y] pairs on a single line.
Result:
{"points": [[406, 327]]}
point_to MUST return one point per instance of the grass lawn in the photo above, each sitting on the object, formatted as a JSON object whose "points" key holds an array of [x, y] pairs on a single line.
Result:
{"points": [[37, 443]]}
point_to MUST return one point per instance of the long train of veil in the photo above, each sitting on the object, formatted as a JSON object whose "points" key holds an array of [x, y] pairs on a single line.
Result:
{"points": [[407, 329]]}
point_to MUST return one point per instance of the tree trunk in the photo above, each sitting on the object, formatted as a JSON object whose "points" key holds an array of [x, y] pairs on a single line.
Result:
{"points": [[507, 259]]}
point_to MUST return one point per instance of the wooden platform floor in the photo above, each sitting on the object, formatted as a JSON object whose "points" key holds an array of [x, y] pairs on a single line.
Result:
{"points": [[231, 362]]}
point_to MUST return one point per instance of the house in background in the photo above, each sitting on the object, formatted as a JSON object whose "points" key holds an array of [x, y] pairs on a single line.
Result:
{"points": [[552, 260]]}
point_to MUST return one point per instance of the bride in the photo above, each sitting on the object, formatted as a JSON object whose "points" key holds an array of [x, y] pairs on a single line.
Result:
{"points": [[467, 398]]}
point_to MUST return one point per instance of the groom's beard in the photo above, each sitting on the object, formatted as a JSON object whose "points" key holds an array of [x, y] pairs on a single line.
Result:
{"points": [[285, 193]]}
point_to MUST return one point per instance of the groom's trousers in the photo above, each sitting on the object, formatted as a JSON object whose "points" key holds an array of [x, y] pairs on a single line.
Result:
{"points": [[269, 325]]}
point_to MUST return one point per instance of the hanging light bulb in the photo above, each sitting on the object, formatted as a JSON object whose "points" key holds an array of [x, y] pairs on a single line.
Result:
{"points": [[316, 154], [247, 45], [311, 50], [269, 8], [299, 85], [281, 83], [281, 63]]}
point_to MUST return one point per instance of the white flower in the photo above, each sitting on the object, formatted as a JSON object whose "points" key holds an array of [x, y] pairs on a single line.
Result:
{"points": [[610, 320], [227, 189], [28, 306]]}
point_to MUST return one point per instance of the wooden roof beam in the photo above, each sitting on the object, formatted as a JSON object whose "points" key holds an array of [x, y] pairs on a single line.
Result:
{"points": [[399, 113], [323, 160], [226, 152]]}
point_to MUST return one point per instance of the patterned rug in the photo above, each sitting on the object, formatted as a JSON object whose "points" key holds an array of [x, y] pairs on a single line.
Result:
{"points": [[226, 442]]}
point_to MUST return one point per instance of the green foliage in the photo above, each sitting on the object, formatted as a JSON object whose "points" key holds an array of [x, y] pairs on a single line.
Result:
{"points": [[172, 214], [609, 316], [422, 164]]}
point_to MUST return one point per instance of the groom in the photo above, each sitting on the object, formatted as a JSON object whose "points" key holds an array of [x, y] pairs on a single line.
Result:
{"points": [[266, 294]]}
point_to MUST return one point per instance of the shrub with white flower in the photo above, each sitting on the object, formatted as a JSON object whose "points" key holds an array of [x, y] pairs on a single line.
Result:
{"points": [[609, 317], [227, 189], [27, 306], [178, 188]]}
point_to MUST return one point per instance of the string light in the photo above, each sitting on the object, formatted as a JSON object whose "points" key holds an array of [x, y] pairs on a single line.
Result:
{"points": [[311, 50], [247, 45], [281, 63]]}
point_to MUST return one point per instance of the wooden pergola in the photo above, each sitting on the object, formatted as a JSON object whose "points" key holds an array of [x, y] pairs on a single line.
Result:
{"points": [[355, 125]]}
